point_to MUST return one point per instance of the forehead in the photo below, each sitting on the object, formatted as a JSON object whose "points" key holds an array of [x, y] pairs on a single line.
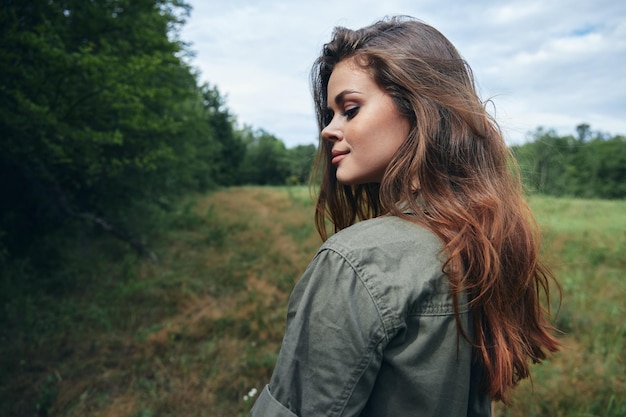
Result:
{"points": [[348, 75]]}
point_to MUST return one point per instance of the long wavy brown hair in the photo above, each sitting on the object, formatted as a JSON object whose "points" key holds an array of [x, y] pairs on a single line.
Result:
{"points": [[457, 177]]}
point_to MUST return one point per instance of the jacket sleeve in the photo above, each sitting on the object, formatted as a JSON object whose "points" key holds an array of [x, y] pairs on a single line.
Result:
{"points": [[333, 344]]}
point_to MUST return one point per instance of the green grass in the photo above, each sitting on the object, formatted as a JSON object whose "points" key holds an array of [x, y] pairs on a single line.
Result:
{"points": [[580, 216], [192, 334], [585, 243]]}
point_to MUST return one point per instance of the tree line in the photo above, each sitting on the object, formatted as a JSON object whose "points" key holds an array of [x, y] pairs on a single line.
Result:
{"points": [[591, 164]]}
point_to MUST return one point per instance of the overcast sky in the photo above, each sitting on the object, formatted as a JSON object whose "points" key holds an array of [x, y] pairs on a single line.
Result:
{"points": [[550, 63]]}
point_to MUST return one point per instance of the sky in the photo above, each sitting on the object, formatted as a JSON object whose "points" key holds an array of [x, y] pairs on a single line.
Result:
{"points": [[543, 63]]}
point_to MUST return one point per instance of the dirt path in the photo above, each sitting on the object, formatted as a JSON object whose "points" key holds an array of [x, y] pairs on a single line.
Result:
{"points": [[231, 337]]}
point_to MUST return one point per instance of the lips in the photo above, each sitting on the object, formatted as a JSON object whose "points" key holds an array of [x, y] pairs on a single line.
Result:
{"points": [[338, 155]]}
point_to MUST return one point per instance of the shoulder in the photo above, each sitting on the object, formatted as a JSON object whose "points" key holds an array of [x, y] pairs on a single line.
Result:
{"points": [[386, 229], [389, 242], [399, 262]]}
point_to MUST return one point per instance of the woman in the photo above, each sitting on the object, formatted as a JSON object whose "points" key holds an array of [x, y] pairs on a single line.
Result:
{"points": [[426, 300]]}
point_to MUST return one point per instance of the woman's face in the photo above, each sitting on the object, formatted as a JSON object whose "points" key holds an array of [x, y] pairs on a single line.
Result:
{"points": [[366, 129]]}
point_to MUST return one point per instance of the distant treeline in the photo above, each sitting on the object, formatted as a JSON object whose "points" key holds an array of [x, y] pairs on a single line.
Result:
{"points": [[590, 165], [104, 125]]}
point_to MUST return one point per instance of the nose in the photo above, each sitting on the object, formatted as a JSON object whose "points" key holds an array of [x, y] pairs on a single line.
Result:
{"points": [[332, 132]]}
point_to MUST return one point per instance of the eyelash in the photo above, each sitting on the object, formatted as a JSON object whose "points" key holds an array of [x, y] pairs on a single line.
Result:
{"points": [[349, 113]]}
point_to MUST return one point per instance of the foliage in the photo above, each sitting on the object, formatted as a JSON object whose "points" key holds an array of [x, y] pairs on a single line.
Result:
{"points": [[268, 162], [593, 165], [232, 148], [301, 162], [103, 127], [99, 114]]}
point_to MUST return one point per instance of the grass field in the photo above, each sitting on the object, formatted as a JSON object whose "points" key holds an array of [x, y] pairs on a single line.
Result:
{"points": [[192, 334]]}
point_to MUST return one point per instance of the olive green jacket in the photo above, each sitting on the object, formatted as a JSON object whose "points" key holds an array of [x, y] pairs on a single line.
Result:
{"points": [[371, 332]]}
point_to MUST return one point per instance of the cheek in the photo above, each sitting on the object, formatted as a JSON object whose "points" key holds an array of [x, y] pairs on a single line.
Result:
{"points": [[379, 138], [380, 149], [392, 137]]}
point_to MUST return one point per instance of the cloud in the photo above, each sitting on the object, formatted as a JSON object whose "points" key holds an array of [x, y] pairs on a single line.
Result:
{"points": [[554, 64]]}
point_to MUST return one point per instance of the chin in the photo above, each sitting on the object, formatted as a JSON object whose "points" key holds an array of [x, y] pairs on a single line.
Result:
{"points": [[347, 180], [355, 181]]}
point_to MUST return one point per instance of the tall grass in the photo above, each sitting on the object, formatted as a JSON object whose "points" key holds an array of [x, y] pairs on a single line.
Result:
{"points": [[193, 334]]}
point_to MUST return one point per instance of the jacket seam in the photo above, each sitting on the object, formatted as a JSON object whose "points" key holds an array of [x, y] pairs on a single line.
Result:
{"points": [[357, 373], [384, 314], [348, 389]]}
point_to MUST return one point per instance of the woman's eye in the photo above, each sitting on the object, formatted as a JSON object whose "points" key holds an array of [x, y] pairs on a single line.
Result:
{"points": [[351, 112]]}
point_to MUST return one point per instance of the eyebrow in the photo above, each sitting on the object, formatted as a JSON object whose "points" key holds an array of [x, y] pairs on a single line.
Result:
{"points": [[340, 97]]}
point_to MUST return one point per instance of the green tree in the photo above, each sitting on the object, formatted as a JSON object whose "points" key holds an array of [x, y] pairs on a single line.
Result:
{"points": [[100, 116], [593, 165], [231, 150], [607, 157], [265, 161], [542, 160], [584, 132], [300, 159]]}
